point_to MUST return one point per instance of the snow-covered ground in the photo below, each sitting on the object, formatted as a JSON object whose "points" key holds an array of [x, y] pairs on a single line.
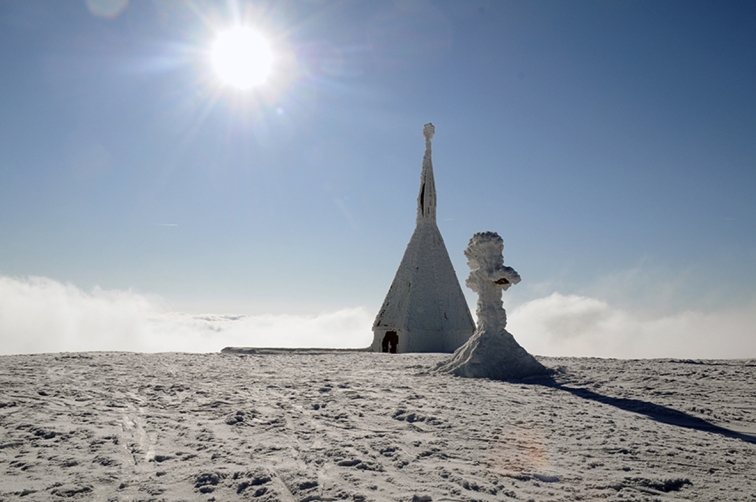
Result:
{"points": [[324, 425]]}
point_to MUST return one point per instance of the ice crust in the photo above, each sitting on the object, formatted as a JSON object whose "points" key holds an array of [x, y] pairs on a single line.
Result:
{"points": [[492, 352]]}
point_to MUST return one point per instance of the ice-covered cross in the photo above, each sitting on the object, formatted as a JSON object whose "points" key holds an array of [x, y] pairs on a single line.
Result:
{"points": [[489, 277], [492, 352]]}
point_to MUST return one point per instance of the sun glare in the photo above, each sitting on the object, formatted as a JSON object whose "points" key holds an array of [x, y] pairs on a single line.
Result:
{"points": [[242, 57]]}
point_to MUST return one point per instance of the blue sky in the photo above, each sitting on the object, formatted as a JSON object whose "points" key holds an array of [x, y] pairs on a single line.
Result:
{"points": [[611, 144]]}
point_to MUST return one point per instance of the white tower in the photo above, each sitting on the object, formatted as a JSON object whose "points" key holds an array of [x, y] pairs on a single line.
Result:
{"points": [[424, 308]]}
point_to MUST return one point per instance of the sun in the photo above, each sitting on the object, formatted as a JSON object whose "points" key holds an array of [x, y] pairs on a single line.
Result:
{"points": [[242, 57]]}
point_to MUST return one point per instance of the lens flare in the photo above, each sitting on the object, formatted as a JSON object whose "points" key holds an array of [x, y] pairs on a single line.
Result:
{"points": [[107, 8]]}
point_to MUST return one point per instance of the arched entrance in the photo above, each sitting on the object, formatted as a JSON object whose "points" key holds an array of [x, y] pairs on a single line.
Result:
{"points": [[390, 342]]}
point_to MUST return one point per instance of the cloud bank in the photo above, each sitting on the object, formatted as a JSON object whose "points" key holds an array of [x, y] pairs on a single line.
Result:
{"points": [[571, 325], [42, 315]]}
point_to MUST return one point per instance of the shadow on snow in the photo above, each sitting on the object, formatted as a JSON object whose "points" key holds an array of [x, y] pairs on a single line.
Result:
{"points": [[653, 411]]}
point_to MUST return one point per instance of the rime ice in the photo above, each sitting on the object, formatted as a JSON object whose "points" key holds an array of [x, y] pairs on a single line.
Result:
{"points": [[489, 277], [492, 351], [424, 310]]}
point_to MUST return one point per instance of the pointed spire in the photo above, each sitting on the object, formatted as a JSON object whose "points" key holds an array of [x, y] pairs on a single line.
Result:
{"points": [[426, 200], [425, 307]]}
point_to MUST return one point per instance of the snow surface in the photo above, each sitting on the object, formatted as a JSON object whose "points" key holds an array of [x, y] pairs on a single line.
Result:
{"points": [[328, 425], [492, 351]]}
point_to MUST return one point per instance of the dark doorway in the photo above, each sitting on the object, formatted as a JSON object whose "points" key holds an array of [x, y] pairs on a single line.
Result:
{"points": [[390, 342]]}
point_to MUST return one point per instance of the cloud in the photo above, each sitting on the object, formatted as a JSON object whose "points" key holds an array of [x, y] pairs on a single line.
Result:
{"points": [[572, 325], [42, 315]]}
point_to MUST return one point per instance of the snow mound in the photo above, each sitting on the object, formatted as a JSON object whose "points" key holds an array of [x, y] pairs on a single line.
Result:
{"points": [[495, 355]]}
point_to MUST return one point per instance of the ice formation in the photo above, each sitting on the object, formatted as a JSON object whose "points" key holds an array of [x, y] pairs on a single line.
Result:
{"points": [[424, 310], [492, 351]]}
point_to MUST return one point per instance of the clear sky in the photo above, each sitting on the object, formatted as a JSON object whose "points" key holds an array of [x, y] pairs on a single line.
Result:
{"points": [[611, 144]]}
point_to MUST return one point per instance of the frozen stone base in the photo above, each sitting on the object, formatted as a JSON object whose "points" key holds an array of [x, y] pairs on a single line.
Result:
{"points": [[495, 355]]}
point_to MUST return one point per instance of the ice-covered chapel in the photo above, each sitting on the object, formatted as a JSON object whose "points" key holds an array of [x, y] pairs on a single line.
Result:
{"points": [[424, 310]]}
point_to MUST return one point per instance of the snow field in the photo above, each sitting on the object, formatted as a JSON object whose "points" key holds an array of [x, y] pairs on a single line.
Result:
{"points": [[298, 426]]}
